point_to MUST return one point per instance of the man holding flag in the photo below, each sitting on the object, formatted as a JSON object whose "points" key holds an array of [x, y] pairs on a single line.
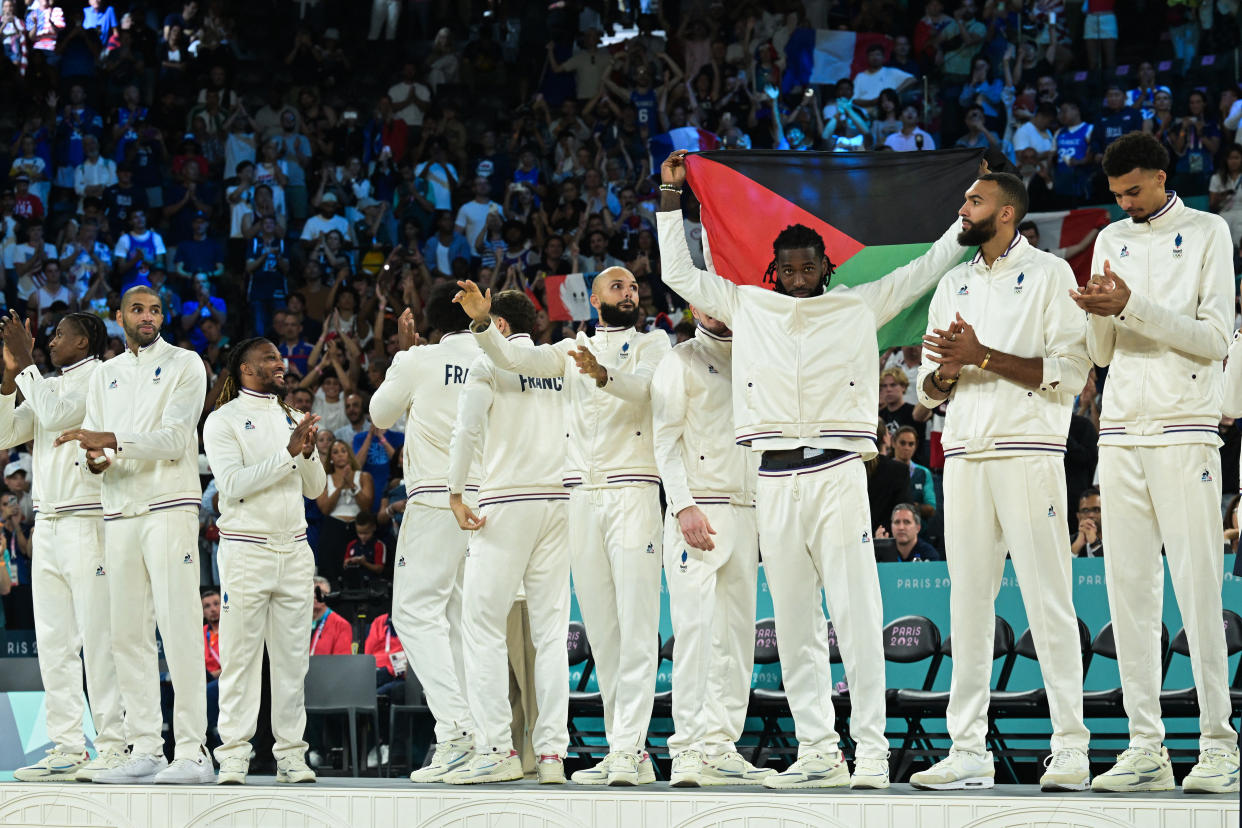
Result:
{"points": [[805, 394]]}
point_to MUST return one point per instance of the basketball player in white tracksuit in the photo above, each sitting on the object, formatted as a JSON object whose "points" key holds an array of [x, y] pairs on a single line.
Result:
{"points": [[1161, 308], [264, 462], [805, 394], [1007, 340], [141, 433], [614, 503], [69, 577], [711, 557], [520, 541], [423, 385]]}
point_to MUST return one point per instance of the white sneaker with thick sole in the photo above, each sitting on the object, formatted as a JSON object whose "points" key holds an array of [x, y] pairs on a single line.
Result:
{"points": [[623, 769], [292, 770], [233, 771], [732, 769], [108, 760], [551, 769], [488, 767], [1137, 769], [1216, 772], [138, 769], [449, 757], [646, 770], [1068, 770], [56, 766], [198, 771], [595, 775], [687, 766], [959, 771], [869, 774], [812, 770]]}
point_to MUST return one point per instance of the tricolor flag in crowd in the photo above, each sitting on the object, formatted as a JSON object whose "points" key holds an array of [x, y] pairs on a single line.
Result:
{"points": [[1061, 231], [569, 297], [876, 211], [827, 55], [682, 138]]}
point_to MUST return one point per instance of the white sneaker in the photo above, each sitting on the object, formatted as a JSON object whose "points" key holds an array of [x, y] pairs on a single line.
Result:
{"points": [[687, 765], [138, 769], [1068, 770], [646, 770], [233, 771], [623, 769], [292, 770], [488, 767], [1137, 769], [551, 769], [732, 769], [198, 771], [108, 760], [1215, 772], [870, 774], [449, 756], [596, 775], [56, 766], [960, 771], [377, 756], [812, 770]]}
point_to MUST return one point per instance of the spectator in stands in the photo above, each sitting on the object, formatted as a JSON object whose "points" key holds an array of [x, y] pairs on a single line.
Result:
{"points": [[906, 524], [199, 254], [330, 634], [906, 441], [1089, 542], [895, 412], [350, 491], [590, 64], [267, 264], [95, 174], [1143, 96], [1160, 122], [1076, 163], [1030, 230], [325, 221], [1117, 118], [959, 41], [211, 656], [120, 198], [366, 556], [50, 292], [1036, 134], [296, 350], [983, 92], [138, 251], [871, 81], [1100, 34], [87, 263], [472, 216], [1193, 143], [26, 204], [376, 449], [911, 136], [29, 260], [888, 481], [390, 666], [204, 305], [445, 247], [977, 136], [356, 412], [185, 200], [1223, 190]]}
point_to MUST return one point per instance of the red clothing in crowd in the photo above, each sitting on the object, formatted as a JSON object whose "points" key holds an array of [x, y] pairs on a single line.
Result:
{"points": [[375, 551], [211, 649], [331, 635], [382, 642]]}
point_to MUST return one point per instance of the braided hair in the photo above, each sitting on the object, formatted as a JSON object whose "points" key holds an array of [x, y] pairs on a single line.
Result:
{"points": [[231, 386], [796, 237], [95, 331]]}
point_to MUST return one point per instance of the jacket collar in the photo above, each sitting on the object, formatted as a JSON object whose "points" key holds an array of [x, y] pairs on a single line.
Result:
{"points": [[1171, 205], [67, 368], [250, 397], [148, 351], [1019, 241]]}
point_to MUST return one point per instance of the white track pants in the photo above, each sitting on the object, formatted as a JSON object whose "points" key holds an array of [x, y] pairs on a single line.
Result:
{"points": [[523, 543], [1015, 505], [712, 602], [1166, 495], [614, 538], [384, 17], [815, 530], [426, 612], [70, 582], [151, 563], [265, 599]]}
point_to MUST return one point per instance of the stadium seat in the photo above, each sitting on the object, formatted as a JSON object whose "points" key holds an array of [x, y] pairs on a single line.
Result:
{"points": [[662, 708], [1184, 702], [344, 685], [908, 640], [21, 675], [767, 704], [415, 706], [583, 703]]}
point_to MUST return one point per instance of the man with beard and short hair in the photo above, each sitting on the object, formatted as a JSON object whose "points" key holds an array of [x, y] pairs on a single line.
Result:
{"points": [[614, 503], [141, 434], [1007, 344], [264, 460]]}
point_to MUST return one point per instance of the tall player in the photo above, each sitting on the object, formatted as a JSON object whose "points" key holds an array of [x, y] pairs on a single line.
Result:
{"points": [[711, 557], [423, 384], [264, 461], [1161, 308], [1006, 342], [141, 434], [614, 502], [70, 578], [805, 394], [519, 542]]}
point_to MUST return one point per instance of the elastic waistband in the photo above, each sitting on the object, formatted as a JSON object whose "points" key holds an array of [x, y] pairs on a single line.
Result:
{"points": [[282, 539], [800, 458]]}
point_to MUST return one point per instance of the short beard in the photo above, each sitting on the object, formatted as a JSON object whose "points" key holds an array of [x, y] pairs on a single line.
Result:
{"points": [[980, 233], [614, 317], [134, 336]]}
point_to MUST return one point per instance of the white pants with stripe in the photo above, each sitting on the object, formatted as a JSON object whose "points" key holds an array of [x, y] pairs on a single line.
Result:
{"points": [[522, 544], [152, 564], [1013, 505], [69, 578], [1166, 495], [614, 541], [427, 610], [815, 532], [266, 592], [712, 602]]}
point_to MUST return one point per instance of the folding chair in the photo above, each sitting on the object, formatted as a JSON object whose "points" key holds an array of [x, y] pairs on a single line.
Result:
{"points": [[415, 706], [21, 675], [907, 640], [1107, 704], [344, 685], [1184, 703], [583, 703], [766, 704], [662, 709]]}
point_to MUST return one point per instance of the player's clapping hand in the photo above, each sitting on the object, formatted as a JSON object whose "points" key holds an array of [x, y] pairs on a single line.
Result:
{"points": [[407, 331], [696, 529], [301, 432], [1105, 294], [18, 342], [88, 440], [477, 305], [954, 347], [466, 518], [588, 364]]}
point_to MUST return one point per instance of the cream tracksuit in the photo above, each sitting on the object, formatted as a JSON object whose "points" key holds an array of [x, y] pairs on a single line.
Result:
{"points": [[523, 544], [266, 569], [151, 496], [1005, 480], [806, 375], [70, 579], [423, 384], [614, 509], [1159, 454], [711, 592]]}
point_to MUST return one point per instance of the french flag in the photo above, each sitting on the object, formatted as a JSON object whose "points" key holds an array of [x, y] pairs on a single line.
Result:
{"points": [[682, 138]]}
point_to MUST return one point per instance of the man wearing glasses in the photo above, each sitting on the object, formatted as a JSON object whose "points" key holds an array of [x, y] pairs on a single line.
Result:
{"points": [[1089, 542]]}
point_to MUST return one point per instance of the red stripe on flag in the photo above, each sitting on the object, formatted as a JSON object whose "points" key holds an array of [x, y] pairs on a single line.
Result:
{"points": [[862, 41], [1074, 227]]}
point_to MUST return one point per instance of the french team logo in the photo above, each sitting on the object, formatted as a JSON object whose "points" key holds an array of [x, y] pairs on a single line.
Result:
{"points": [[1177, 246], [225, 602], [155, 379], [625, 351], [963, 291], [685, 556], [1017, 288]]}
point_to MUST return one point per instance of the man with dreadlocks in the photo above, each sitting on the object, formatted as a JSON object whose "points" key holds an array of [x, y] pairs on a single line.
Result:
{"points": [[69, 575], [805, 394], [141, 434], [264, 459]]}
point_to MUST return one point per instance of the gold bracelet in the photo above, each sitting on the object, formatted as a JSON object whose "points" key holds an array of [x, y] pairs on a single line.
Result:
{"points": [[983, 366], [939, 378]]}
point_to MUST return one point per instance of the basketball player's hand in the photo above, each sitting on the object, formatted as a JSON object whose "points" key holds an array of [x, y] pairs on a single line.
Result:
{"points": [[297, 439], [478, 306], [88, 440], [18, 342], [954, 347], [1106, 294], [673, 170], [407, 331], [695, 528], [466, 518], [308, 444], [587, 364], [96, 461]]}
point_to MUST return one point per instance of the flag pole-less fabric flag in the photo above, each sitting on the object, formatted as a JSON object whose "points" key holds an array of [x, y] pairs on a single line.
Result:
{"points": [[569, 297], [875, 211], [828, 55], [682, 138], [1067, 228]]}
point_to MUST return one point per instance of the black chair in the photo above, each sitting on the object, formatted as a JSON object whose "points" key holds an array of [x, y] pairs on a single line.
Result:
{"points": [[414, 707], [1107, 704], [21, 675], [1184, 702], [766, 704], [583, 704], [662, 709], [908, 640], [344, 685]]}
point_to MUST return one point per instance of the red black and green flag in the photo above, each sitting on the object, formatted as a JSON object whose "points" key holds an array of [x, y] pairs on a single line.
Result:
{"points": [[875, 211]]}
